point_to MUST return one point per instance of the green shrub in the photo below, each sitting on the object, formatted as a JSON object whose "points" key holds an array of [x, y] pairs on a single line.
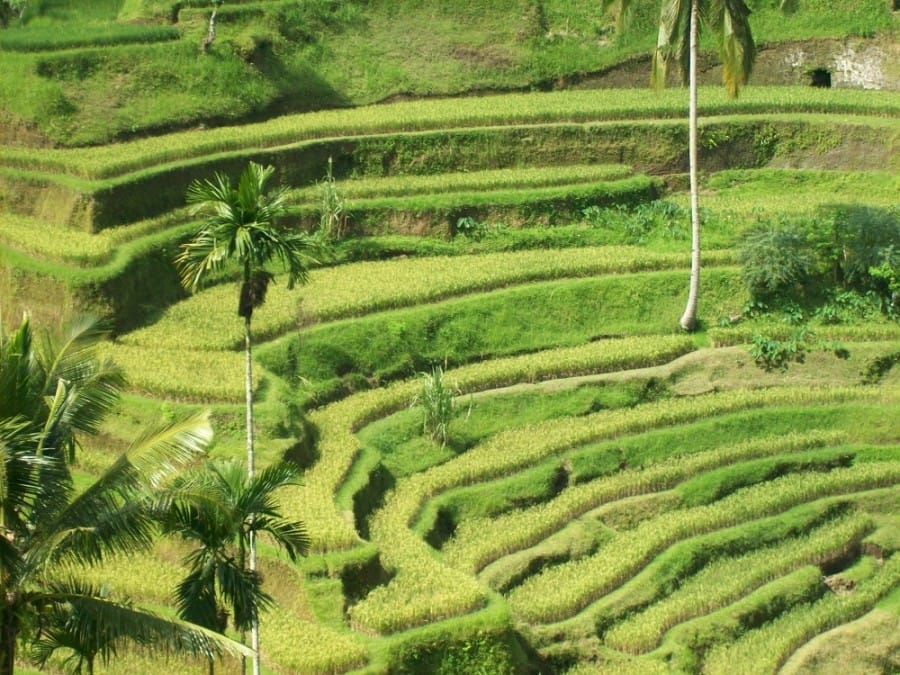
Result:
{"points": [[850, 240], [777, 261], [773, 354]]}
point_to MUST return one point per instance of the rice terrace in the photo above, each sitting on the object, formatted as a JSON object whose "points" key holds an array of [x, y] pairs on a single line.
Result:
{"points": [[426, 336]]}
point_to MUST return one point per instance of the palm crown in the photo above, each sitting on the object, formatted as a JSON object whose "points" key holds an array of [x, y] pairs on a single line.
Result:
{"points": [[240, 226]]}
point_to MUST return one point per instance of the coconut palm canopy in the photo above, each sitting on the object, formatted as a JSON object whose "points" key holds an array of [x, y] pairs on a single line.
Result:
{"points": [[48, 530]]}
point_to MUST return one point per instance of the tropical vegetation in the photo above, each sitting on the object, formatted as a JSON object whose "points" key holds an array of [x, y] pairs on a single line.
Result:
{"points": [[50, 528], [592, 489]]}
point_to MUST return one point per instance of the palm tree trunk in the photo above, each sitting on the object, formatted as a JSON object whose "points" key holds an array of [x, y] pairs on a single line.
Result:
{"points": [[8, 635], [689, 318], [254, 627]]}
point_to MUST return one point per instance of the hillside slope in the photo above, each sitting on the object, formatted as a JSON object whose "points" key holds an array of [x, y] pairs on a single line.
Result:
{"points": [[79, 74]]}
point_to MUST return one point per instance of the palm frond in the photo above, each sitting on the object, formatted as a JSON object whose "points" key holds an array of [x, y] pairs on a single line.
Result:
{"points": [[31, 375], [100, 624], [20, 479], [195, 597], [18, 395], [209, 196], [242, 591], [731, 22], [672, 40], [258, 494], [115, 514], [291, 535], [161, 453], [204, 253]]}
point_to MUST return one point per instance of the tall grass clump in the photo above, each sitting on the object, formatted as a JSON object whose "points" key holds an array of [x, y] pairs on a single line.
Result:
{"points": [[332, 211], [436, 401]]}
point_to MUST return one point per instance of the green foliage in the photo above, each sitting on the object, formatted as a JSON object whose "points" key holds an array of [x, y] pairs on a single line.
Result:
{"points": [[436, 402], [332, 212], [773, 354], [878, 367], [217, 509], [482, 654], [848, 254], [777, 261], [851, 240], [476, 230], [240, 227], [50, 393], [638, 223]]}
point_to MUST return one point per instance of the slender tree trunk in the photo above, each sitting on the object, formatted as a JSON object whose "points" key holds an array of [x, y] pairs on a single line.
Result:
{"points": [[211, 32], [689, 318], [254, 627], [8, 634]]}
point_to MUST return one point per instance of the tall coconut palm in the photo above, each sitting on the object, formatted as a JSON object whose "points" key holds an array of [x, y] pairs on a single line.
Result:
{"points": [[241, 227], [218, 508], [679, 29], [47, 530]]}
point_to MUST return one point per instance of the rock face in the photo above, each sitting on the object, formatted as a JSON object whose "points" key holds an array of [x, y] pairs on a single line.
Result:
{"points": [[859, 64], [852, 63]]}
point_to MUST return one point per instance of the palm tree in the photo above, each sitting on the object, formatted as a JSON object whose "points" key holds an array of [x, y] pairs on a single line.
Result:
{"points": [[47, 531], [219, 508], [679, 29], [240, 227], [34, 367]]}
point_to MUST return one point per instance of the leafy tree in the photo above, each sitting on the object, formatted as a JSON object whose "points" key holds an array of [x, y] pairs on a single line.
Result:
{"points": [[218, 508], [852, 239], [47, 530], [241, 227]]}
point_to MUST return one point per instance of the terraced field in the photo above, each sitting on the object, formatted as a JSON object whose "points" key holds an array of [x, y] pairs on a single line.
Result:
{"points": [[614, 496]]}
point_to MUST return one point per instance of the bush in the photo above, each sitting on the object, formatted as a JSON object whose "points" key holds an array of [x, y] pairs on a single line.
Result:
{"points": [[777, 260], [852, 240], [772, 354]]}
